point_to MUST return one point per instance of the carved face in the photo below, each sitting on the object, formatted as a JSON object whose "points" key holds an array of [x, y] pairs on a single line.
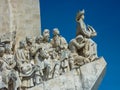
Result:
{"points": [[29, 40], [80, 15], [79, 40], [46, 38], [39, 39], [56, 32]]}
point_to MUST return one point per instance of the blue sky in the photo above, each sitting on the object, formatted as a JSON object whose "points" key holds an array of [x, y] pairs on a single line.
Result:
{"points": [[103, 15]]}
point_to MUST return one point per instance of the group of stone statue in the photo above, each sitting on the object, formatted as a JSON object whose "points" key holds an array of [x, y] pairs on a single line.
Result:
{"points": [[38, 59]]}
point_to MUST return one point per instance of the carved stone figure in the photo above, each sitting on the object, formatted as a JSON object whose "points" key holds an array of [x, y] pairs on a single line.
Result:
{"points": [[82, 29], [58, 42], [61, 47], [76, 46], [38, 42], [90, 49], [31, 48], [9, 38], [39, 59], [43, 63], [3, 70], [64, 63], [14, 80], [9, 76], [29, 42], [9, 57], [24, 66], [22, 53], [46, 38]]}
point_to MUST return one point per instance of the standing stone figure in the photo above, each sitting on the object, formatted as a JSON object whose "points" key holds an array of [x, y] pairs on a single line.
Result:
{"points": [[22, 54], [10, 77], [60, 45], [46, 38], [9, 57], [58, 42], [43, 64], [82, 29], [30, 48], [38, 42], [24, 66], [90, 48], [14, 80]]}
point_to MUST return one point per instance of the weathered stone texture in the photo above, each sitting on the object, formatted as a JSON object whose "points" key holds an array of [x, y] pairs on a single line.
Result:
{"points": [[87, 77], [22, 16], [4, 16]]}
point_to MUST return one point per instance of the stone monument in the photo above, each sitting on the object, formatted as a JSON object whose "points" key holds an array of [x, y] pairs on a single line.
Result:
{"points": [[32, 61], [22, 16]]}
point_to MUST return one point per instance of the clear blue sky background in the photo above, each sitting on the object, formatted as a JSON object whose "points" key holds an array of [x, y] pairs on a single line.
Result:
{"points": [[103, 15]]}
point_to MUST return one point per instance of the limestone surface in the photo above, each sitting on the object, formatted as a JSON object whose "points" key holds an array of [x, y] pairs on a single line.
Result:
{"points": [[30, 60], [87, 77], [22, 16]]}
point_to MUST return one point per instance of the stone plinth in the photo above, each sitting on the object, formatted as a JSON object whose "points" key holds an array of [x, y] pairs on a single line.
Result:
{"points": [[87, 77], [22, 16]]}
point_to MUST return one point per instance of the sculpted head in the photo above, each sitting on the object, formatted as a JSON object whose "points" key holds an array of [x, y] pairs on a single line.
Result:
{"points": [[46, 35], [46, 32], [79, 38], [80, 15], [56, 32], [29, 40], [39, 39]]}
